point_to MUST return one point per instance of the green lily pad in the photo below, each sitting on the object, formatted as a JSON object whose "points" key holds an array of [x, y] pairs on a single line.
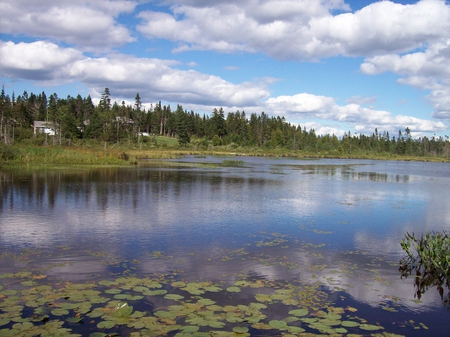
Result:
{"points": [[9, 292], [341, 330], [7, 332], [263, 298], [165, 314], [123, 310], [60, 312], [295, 329], [74, 320], [370, 327], [105, 325], [4, 321], [206, 301], [213, 289], [190, 329], [240, 329], [233, 289], [350, 324], [299, 312], [174, 297], [276, 324], [140, 289], [216, 324], [97, 334]]}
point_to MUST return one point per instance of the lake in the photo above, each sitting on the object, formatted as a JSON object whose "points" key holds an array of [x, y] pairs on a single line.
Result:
{"points": [[216, 246]]}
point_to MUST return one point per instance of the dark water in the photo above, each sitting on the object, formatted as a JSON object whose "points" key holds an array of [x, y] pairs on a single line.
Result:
{"points": [[336, 222]]}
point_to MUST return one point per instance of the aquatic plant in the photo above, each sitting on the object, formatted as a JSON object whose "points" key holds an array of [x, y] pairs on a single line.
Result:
{"points": [[230, 162], [429, 258]]}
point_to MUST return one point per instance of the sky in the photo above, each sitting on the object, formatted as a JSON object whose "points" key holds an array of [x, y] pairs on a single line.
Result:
{"points": [[335, 66]]}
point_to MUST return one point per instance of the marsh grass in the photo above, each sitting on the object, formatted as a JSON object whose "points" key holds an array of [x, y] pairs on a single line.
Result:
{"points": [[100, 154], [428, 257]]}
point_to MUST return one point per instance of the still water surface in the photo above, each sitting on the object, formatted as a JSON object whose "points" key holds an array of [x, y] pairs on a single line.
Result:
{"points": [[338, 223]]}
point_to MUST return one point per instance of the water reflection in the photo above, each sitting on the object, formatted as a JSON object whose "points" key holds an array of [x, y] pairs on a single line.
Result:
{"points": [[338, 223]]}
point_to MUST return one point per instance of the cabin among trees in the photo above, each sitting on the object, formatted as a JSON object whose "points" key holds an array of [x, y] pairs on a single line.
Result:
{"points": [[43, 127], [30, 117]]}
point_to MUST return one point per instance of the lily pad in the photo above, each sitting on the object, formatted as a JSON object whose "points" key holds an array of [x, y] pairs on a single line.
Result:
{"points": [[74, 320], [174, 297], [60, 312], [4, 321], [234, 289], [276, 324], [350, 324], [299, 312], [123, 310], [240, 329], [105, 325], [97, 334], [370, 327]]}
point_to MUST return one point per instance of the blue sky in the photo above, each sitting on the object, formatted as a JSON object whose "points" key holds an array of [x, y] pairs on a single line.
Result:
{"points": [[332, 65]]}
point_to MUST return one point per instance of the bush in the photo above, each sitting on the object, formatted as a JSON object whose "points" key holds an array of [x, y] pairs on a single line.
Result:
{"points": [[7, 153]]}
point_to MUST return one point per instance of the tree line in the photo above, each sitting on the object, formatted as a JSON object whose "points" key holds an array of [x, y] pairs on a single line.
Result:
{"points": [[75, 119]]}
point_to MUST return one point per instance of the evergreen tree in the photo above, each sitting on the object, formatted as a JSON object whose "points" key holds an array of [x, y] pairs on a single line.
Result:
{"points": [[183, 136]]}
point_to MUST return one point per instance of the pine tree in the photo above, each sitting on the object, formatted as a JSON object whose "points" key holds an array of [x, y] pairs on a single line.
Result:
{"points": [[183, 136]]}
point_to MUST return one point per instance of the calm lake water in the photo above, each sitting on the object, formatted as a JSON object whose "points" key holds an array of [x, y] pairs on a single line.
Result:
{"points": [[332, 224]]}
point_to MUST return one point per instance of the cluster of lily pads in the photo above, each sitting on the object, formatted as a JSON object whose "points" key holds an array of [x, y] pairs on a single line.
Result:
{"points": [[160, 306], [32, 303]]}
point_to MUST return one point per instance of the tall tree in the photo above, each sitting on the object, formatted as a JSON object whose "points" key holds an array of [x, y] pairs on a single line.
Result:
{"points": [[182, 132]]}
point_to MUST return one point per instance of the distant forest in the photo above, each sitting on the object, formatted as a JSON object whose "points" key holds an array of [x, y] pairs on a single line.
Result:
{"points": [[74, 120]]}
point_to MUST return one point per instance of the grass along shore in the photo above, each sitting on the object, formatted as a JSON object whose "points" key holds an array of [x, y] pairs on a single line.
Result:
{"points": [[113, 155]]}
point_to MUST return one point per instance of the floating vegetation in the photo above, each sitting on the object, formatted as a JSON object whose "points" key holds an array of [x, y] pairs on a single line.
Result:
{"points": [[185, 308], [33, 303], [429, 258], [230, 162]]}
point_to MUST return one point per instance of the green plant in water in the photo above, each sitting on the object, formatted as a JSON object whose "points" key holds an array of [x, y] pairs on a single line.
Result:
{"points": [[429, 258], [229, 162]]}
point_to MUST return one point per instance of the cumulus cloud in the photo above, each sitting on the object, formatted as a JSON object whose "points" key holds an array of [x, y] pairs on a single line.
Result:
{"points": [[426, 70], [389, 34], [364, 120], [38, 61], [154, 79], [298, 30], [88, 24]]}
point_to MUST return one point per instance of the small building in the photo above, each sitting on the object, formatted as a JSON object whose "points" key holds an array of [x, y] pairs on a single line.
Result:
{"points": [[44, 127]]}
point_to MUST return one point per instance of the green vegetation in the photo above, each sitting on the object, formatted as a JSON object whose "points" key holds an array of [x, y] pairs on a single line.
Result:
{"points": [[75, 122], [185, 308], [229, 162], [33, 303], [429, 258]]}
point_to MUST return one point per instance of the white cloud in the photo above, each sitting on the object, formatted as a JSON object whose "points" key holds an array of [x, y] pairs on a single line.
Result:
{"points": [[299, 30], [39, 61], [88, 24], [388, 33], [426, 70], [154, 79], [364, 120]]}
